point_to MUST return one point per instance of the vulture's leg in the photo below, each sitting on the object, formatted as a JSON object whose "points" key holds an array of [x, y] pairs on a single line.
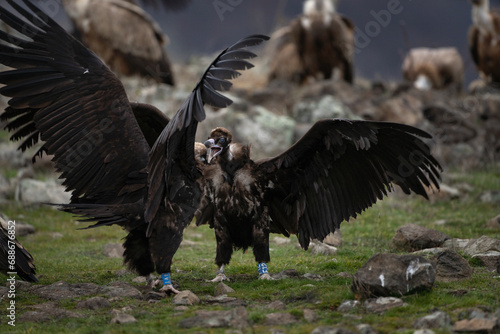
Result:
{"points": [[165, 239], [261, 249], [224, 250]]}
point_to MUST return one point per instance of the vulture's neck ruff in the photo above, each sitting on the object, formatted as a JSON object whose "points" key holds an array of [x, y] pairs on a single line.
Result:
{"points": [[481, 17]]}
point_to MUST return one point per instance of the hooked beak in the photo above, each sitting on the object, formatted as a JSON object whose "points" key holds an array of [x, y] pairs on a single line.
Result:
{"points": [[213, 150]]}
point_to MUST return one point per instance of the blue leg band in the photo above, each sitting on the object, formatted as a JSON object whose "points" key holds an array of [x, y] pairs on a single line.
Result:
{"points": [[166, 279], [262, 268]]}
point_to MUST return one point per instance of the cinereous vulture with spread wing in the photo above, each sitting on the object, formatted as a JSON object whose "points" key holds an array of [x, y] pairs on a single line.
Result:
{"points": [[63, 95], [335, 171], [14, 258]]}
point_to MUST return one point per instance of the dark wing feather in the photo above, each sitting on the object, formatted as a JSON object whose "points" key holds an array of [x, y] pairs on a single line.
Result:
{"points": [[340, 168], [63, 95], [23, 266], [172, 168], [473, 36]]}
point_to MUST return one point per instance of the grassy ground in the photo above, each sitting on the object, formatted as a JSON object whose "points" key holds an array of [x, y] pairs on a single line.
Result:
{"points": [[63, 253]]}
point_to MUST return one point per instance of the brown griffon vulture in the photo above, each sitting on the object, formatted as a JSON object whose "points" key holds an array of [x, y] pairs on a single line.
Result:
{"points": [[124, 163], [126, 38], [315, 44], [484, 40], [438, 68], [14, 258], [335, 171]]}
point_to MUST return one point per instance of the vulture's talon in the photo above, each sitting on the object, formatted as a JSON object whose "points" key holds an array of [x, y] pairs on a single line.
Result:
{"points": [[220, 278]]}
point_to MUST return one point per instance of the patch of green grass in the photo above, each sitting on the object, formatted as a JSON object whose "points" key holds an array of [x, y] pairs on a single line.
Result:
{"points": [[64, 253]]}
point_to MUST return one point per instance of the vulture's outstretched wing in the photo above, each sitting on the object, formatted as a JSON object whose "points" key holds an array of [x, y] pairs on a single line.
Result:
{"points": [[344, 167], [23, 261], [63, 95], [172, 168]]}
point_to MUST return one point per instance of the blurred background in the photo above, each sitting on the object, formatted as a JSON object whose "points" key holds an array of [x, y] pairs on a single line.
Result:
{"points": [[207, 26]]}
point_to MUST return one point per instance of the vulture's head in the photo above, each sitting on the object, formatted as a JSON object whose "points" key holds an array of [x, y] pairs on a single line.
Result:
{"points": [[218, 142], [200, 153]]}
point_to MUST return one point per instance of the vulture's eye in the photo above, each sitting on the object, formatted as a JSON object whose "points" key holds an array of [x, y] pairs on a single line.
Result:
{"points": [[222, 141]]}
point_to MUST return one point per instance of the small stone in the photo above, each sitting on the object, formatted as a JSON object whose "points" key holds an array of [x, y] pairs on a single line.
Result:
{"points": [[348, 305], [113, 250], [123, 318], [94, 303], [280, 241], [185, 298], [318, 247], [383, 304], [121, 290], [277, 305], [334, 239], [275, 319], [140, 280], [153, 295], [310, 315], [222, 289], [366, 329], [476, 326], [438, 320]]}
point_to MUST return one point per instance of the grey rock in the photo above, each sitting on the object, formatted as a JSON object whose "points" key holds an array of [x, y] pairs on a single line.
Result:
{"points": [[225, 301], [47, 311], [274, 319], [424, 331], [277, 305], [365, 329], [11, 157], [482, 245], [121, 290], [185, 298], [476, 326], [334, 239], [412, 237], [280, 241], [222, 289], [490, 260], [153, 295], [348, 305], [393, 275], [437, 320], [113, 250], [94, 303], [490, 196], [123, 318], [330, 330], [310, 315], [234, 318], [317, 247], [287, 273], [62, 290], [456, 244], [31, 191], [383, 304], [451, 266], [494, 223]]}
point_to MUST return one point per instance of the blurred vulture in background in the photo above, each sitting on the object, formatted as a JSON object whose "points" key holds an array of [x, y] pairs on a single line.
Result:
{"points": [[124, 36], [484, 40], [437, 68], [316, 44]]}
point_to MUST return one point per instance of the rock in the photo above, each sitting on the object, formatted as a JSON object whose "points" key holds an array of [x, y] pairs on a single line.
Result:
{"points": [[476, 326], [234, 318], [46, 312], [11, 157], [383, 304], [62, 290], [445, 193], [412, 237], [334, 239], [317, 247], [450, 266], [185, 298], [140, 280], [365, 329], [287, 273], [490, 196], [438, 320], [482, 245], [280, 241], [113, 250], [123, 318], [330, 330], [225, 301], [348, 305], [309, 315], [121, 290], [393, 275], [94, 303], [490, 260], [282, 319], [31, 191], [494, 223], [314, 277], [456, 244], [277, 305], [155, 296], [222, 289]]}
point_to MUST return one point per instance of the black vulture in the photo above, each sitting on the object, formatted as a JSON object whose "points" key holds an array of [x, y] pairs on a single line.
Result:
{"points": [[64, 96], [315, 44], [14, 258], [335, 171], [484, 40]]}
